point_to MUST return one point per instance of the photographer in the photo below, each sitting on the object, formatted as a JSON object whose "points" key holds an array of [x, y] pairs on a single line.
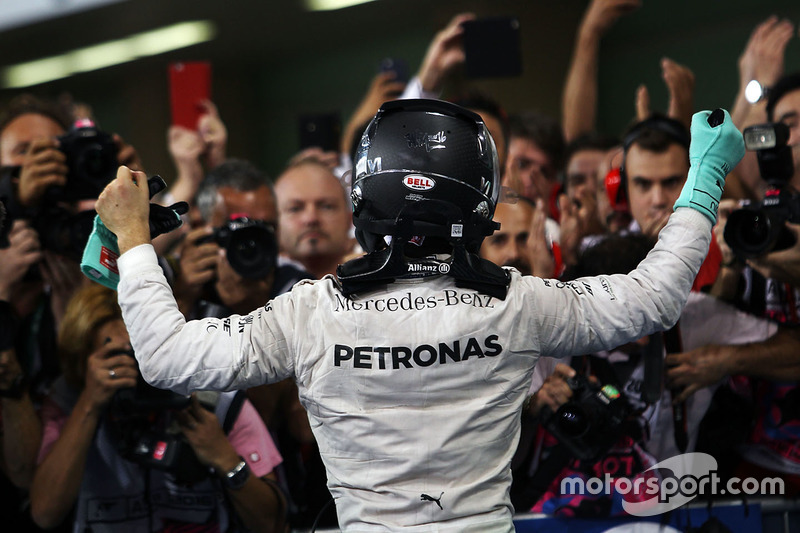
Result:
{"points": [[210, 282], [760, 275], [46, 196], [647, 434], [82, 463], [783, 266], [20, 428], [206, 282]]}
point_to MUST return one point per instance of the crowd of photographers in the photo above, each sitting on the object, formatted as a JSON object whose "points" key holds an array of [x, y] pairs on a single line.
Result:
{"points": [[87, 445]]}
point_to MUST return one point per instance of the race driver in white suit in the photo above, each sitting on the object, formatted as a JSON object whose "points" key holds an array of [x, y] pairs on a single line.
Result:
{"points": [[414, 362]]}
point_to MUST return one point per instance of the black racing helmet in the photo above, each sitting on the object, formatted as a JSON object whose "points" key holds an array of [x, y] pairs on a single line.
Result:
{"points": [[425, 168]]}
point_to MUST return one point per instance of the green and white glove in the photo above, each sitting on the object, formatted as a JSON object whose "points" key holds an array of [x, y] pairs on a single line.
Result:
{"points": [[99, 262], [716, 148]]}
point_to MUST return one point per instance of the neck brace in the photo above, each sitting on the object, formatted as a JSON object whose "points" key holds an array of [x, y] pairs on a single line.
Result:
{"points": [[382, 267]]}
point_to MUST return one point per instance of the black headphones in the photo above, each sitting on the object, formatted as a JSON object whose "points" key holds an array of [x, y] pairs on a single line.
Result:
{"points": [[673, 129]]}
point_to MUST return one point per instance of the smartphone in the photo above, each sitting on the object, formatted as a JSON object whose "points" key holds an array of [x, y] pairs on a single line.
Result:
{"points": [[396, 65], [189, 85], [492, 47], [320, 130]]}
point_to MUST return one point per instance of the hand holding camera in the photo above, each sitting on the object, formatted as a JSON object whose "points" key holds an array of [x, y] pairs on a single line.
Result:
{"points": [[758, 229], [15, 260], [44, 166], [204, 433], [109, 369], [554, 392], [593, 419], [198, 266]]}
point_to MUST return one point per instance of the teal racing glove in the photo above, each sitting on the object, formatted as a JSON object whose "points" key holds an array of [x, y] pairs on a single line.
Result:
{"points": [[716, 148], [99, 261]]}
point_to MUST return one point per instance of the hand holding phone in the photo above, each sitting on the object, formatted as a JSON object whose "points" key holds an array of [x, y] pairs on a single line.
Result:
{"points": [[396, 65], [322, 131]]}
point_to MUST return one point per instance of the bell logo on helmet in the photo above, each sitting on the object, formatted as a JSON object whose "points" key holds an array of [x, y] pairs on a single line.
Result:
{"points": [[419, 183]]}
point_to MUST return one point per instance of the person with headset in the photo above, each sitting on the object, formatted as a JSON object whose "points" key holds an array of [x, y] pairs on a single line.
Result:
{"points": [[653, 171], [652, 174], [414, 364]]}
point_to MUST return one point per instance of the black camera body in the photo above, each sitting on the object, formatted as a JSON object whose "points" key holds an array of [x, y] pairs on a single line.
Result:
{"points": [[250, 246], [145, 397], [142, 426], [593, 419], [92, 162], [91, 158], [62, 231], [760, 228]]}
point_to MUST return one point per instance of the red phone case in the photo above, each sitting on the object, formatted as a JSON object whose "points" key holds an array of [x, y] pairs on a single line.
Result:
{"points": [[189, 85]]}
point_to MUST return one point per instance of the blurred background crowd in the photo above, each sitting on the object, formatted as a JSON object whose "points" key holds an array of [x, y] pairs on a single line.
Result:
{"points": [[254, 123]]}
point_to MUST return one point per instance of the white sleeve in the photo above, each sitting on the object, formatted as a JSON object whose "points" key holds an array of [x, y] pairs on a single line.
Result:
{"points": [[414, 90], [208, 354], [600, 313], [708, 320]]}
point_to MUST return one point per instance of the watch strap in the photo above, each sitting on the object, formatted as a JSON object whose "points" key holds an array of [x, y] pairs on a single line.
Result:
{"points": [[237, 476]]}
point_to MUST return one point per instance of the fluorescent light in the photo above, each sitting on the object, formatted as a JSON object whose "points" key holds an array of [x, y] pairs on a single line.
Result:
{"points": [[107, 54], [100, 56], [173, 37], [330, 5], [21, 13]]}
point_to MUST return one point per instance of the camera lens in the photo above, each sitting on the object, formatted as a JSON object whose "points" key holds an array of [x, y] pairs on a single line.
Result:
{"points": [[749, 232], [572, 420], [252, 251]]}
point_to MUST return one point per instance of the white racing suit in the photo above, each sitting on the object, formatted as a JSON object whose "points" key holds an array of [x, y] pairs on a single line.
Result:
{"points": [[413, 391]]}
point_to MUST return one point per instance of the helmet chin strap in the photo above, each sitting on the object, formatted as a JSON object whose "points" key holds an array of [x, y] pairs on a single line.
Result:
{"points": [[384, 266]]}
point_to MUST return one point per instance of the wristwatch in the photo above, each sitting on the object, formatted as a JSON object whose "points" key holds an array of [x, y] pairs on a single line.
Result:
{"points": [[237, 477], [754, 92]]}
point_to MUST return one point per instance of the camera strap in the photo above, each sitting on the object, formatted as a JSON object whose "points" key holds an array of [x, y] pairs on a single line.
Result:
{"points": [[673, 344]]}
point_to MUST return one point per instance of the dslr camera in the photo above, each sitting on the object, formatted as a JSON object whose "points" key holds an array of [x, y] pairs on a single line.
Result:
{"points": [[92, 163], [60, 230], [142, 427], [250, 245], [91, 159], [593, 419], [759, 228]]}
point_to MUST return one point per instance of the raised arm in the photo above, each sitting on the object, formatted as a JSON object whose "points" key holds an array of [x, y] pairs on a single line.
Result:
{"points": [[204, 354], [590, 314], [762, 60], [679, 80], [579, 101], [57, 481]]}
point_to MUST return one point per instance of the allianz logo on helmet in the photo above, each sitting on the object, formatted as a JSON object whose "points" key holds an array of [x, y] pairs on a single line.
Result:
{"points": [[419, 183]]}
